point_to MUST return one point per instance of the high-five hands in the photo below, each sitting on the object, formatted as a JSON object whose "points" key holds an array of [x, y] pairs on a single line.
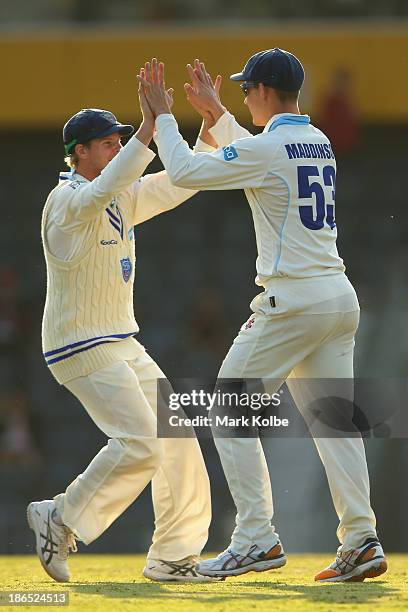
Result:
{"points": [[152, 89], [203, 94], [147, 115], [146, 129]]}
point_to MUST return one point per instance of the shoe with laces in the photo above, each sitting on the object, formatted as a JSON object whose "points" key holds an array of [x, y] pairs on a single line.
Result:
{"points": [[229, 563], [184, 570], [356, 564], [53, 541]]}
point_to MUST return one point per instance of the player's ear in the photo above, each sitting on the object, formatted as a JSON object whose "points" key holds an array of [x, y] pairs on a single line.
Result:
{"points": [[263, 91], [272, 94], [81, 150]]}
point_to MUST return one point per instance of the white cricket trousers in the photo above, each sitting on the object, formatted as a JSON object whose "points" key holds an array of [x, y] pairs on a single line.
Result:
{"points": [[309, 334], [121, 399]]}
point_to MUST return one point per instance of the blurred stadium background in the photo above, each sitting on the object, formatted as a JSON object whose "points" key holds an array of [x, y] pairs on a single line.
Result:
{"points": [[196, 265]]}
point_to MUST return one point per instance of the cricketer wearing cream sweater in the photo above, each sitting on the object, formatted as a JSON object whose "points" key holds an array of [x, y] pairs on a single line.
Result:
{"points": [[88, 344]]}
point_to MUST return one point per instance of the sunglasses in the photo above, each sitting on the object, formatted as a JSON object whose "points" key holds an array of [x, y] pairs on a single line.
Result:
{"points": [[247, 85]]}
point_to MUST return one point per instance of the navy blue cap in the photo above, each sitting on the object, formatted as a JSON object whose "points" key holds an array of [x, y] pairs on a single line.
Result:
{"points": [[274, 67], [91, 123]]}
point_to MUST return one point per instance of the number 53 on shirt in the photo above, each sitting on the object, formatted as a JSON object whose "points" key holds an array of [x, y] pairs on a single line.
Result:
{"points": [[309, 184]]}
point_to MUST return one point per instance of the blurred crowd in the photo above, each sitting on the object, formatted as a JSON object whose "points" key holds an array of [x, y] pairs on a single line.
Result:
{"points": [[132, 12], [17, 444]]}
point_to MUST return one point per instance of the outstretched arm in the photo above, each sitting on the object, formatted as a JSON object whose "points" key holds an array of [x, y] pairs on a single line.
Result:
{"points": [[203, 94], [204, 97], [154, 194], [241, 165]]}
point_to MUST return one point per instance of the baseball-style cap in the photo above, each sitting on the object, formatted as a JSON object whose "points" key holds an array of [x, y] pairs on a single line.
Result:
{"points": [[274, 67], [91, 123]]}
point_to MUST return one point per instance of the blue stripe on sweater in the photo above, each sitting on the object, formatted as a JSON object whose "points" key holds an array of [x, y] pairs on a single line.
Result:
{"points": [[114, 217], [109, 338], [81, 350]]}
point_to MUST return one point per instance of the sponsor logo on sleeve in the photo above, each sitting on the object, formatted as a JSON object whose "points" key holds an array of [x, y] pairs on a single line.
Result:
{"points": [[230, 153]]}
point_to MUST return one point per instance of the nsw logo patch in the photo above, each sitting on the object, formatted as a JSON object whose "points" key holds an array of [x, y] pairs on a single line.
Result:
{"points": [[126, 266], [230, 153]]}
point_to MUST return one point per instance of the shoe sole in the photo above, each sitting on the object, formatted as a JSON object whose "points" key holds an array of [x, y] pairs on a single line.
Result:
{"points": [[32, 523], [366, 570], [171, 578], [260, 566]]}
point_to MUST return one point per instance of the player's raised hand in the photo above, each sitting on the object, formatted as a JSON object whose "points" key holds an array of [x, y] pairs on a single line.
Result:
{"points": [[148, 117], [204, 94], [158, 98], [169, 96]]}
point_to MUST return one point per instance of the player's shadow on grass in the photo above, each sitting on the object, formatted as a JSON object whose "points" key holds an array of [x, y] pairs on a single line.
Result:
{"points": [[340, 593], [233, 590]]}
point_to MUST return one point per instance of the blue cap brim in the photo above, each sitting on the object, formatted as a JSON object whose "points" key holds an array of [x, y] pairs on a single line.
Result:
{"points": [[239, 76], [123, 130]]}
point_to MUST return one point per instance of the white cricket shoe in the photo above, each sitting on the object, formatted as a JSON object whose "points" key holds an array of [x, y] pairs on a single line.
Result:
{"points": [[53, 542], [184, 570], [229, 563], [356, 564]]}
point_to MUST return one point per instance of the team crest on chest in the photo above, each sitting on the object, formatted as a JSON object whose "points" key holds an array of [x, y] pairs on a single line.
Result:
{"points": [[126, 266]]}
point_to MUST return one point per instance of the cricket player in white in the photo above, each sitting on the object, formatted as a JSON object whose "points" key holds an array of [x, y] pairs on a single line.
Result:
{"points": [[88, 329], [304, 322]]}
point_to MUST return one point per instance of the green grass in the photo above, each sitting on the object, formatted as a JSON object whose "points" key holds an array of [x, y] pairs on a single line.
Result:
{"points": [[105, 582]]}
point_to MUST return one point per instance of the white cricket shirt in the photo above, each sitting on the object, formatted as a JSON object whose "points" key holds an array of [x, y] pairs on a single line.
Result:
{"points": [[288, 173]]}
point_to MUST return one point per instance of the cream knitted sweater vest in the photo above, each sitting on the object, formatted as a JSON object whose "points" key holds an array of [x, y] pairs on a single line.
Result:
{"points": [[89, 303]]}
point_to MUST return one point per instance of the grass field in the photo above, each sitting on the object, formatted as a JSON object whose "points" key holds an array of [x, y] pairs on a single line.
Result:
{"points": [[102, 582]]}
